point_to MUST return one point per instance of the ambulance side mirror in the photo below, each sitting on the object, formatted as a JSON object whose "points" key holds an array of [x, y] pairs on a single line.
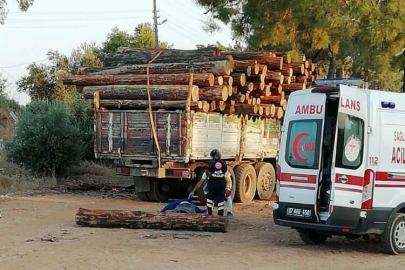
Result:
{"points": [[282, 128]]}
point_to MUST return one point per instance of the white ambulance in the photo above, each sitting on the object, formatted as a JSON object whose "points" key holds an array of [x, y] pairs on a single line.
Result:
{"points": [[342, 165]]}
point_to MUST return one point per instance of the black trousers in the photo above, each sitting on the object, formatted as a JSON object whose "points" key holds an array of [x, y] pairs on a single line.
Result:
{"points": [[216, 194]]}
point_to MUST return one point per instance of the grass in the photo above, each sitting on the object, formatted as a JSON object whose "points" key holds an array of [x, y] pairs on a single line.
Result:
{"points": [[91, 168], [14, 179]]}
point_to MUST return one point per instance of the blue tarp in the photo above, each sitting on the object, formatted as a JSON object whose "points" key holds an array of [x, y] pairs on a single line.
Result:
{"points": [[172, 206]]}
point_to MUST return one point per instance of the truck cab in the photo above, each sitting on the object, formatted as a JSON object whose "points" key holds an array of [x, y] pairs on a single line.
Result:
{"points": [[340, 171]]}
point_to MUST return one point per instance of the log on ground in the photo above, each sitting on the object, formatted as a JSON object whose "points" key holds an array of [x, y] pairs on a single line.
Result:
{"points": [[143, 220]]}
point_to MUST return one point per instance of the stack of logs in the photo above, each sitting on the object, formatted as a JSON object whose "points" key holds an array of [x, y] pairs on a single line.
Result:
{"points": [[252, 84]]}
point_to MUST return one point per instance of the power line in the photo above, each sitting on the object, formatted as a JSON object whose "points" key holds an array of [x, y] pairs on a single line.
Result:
{"points": [[76, 12], [47, 27], [24, 64], [72, 20]]}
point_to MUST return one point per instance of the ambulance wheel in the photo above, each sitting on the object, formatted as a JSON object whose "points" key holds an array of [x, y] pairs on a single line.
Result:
{"points": [[143, 196], [266, 180], [159, 191], [310, 237], [246, 183], [396, 236]]}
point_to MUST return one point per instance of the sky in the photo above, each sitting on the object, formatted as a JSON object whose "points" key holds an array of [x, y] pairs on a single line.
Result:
{"points": [[63, 25]]}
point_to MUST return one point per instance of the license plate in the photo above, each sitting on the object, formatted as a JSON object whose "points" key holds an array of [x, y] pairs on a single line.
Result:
{"points": [[298, 212]]}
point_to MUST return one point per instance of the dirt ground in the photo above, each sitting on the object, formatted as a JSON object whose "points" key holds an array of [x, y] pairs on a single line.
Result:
{"points": [[39, 232]]}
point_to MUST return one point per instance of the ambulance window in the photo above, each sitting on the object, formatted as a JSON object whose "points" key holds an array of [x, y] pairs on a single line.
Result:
{"points": [[349, 152], [303, 144]]}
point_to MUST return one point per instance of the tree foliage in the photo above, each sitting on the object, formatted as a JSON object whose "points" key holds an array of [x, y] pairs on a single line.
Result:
{"points": [[143, 37], [356, 37], [3, 85], [47, 138], [23, 5]]}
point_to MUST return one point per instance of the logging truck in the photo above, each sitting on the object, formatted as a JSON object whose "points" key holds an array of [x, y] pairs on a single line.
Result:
{"points": [[171, 168]]}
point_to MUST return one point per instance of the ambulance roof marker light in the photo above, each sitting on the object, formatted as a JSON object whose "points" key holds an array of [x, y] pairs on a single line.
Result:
{"points": [[337, 82], [387, 105]]}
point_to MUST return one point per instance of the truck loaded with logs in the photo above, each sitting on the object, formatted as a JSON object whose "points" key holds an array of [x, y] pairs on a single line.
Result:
{"points": [[159, 113]]}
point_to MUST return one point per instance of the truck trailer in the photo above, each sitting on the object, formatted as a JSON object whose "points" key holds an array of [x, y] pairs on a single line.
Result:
{"points": [[250, 148]]}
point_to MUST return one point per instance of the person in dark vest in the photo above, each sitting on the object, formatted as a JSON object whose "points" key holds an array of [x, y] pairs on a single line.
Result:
{"points": [[217, 177]]}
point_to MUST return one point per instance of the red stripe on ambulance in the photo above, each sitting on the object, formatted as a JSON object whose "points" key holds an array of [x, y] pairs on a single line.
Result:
{"points": [[351, 179]]}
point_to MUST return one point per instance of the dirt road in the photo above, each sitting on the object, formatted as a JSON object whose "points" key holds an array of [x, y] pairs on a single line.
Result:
{"points": [[40, 233]]}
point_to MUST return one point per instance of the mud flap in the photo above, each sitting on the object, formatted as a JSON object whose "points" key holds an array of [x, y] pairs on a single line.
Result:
{"points": [[142, 184]]}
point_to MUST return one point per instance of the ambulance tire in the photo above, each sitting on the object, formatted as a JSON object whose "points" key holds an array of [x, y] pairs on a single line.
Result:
{"points": [[394, 245], [159, 191], [311, 237], [246, 183], [143, 196], [266, 180]]}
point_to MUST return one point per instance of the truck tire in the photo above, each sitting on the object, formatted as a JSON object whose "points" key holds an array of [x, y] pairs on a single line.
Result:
{"points": [[266, 180], [396, 241], [159, 191], [246, 182], [143, 196], [311, 237]]}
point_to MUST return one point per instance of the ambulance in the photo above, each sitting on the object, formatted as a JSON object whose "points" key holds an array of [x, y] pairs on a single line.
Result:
{"points": [[341, 168]]}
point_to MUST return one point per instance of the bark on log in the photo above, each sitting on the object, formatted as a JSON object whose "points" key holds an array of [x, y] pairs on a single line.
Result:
{"points": [[286, 71], [276, 89], [142, 57], [272, 100], [157, 92], [243, 66], [228, 80], [301, 79], [246, 109], [298, 68], [203, 79], [247, 88], [214, 93], [269, 59], [143, 104], [274, 77], [293, 87], [257, 78], [287, 80], [143, 220], [217, 68], [239, 79], [219, 80], [259, 86]]}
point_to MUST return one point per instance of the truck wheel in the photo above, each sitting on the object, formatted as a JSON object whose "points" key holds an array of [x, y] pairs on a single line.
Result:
{"points": [[233, 178], [159, 191], [143, 196], [246, 182], [396, 236], [310, 237], [266, 180]]}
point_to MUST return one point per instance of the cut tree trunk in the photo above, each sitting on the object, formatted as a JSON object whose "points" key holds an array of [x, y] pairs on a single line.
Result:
{"points": [[157, 92], [246, 109], [219, 80], [143, 220], [142, 56], [143, 104], [276, 89], [214, 93], [215, 67], [203, 79], [293, 87], [274, 77], [298, 68], [239, 79], [269, 59], [286, 71], [257, 78]]}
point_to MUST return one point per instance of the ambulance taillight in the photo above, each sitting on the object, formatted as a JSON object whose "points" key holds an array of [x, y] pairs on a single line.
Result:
{"points": [[368, 189]]}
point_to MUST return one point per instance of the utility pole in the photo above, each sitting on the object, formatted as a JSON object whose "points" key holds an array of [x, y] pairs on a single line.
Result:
{"points": [[155, 18]]}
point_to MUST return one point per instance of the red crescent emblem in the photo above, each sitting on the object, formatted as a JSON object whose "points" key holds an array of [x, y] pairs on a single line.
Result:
{"points": [[295, 146]]}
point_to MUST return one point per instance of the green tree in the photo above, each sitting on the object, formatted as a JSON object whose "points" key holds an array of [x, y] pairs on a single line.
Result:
{"points": [[143, 37], [3, 85], [23, 5], [47, 139], [361, 38]]}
